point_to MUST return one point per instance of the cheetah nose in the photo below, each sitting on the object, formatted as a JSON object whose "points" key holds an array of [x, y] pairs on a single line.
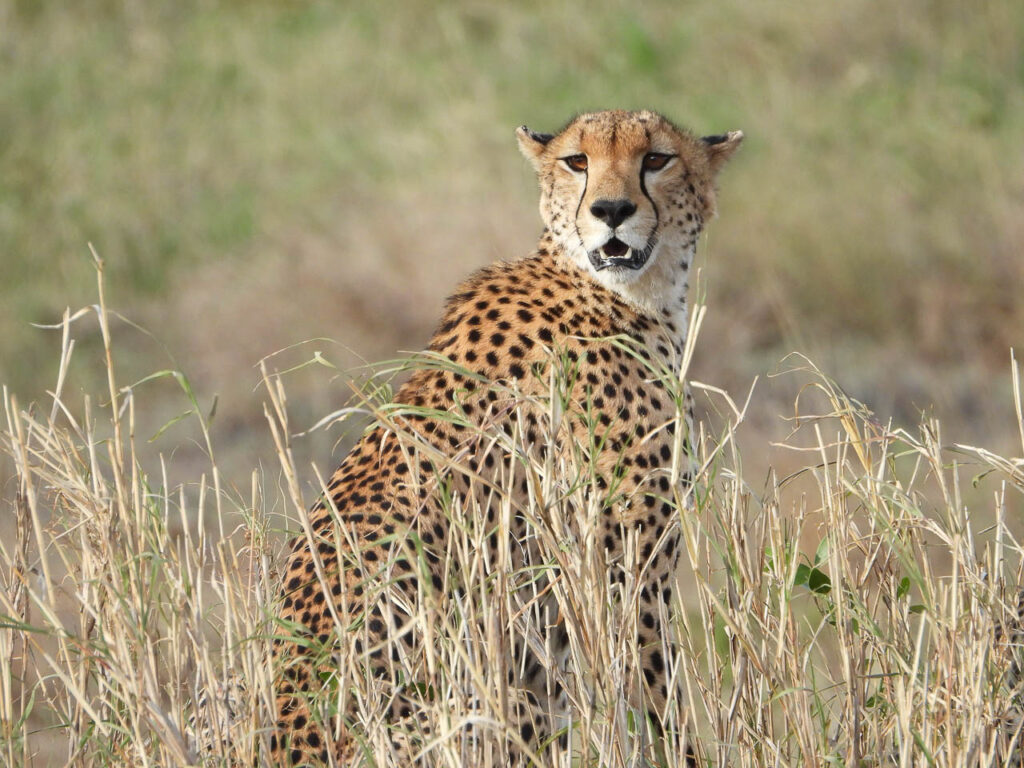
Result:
{"points": [[613, 212]]}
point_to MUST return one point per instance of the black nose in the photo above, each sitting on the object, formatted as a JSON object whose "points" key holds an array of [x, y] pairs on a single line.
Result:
{"points": [[613, 212]]}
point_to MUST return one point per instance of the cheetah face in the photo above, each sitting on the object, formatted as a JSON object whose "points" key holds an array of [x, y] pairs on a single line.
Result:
{"points": [[620, 190]]}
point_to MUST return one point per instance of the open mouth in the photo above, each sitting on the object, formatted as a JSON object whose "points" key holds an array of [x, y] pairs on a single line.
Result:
{"points": [[616, 253]]}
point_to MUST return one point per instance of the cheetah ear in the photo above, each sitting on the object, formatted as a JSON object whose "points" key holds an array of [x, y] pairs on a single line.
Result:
{"points": [[532, 144], [721, 147]]}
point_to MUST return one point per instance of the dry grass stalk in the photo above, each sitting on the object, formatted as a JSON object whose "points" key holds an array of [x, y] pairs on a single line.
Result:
{"points": [[845, 614]]}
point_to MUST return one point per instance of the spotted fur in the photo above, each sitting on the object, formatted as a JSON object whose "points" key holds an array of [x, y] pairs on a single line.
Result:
{"points": [[1009, 648], [624, 197]]}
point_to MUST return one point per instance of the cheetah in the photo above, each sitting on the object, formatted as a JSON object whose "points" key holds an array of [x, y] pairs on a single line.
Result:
{"points": [[624, 197]]}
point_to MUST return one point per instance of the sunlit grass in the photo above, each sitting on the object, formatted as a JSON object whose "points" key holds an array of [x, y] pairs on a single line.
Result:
{"points": [[843, 614]]}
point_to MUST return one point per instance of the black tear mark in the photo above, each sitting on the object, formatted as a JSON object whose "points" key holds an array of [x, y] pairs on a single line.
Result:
{"points": [[576, 218], [643, 188]]}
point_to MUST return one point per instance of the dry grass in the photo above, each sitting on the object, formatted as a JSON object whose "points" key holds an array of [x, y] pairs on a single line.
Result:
{"points": [[844, 614]]}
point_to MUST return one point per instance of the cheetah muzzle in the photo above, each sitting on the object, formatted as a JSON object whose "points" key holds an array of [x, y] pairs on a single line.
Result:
{"points": [[613, 254]]}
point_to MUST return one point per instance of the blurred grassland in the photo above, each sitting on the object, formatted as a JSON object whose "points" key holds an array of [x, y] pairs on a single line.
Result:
{"points": [[256, 174]]}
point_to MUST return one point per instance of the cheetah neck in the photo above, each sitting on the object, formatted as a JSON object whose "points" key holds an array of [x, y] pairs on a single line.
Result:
{"points": [[658, 292]]}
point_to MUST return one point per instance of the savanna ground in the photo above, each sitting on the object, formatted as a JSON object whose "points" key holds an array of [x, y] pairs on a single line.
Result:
{"points": [[306, 181]]}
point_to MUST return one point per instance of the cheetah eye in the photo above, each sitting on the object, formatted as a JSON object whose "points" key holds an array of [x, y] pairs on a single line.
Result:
{"points": [[655, 161], [576, 162]]}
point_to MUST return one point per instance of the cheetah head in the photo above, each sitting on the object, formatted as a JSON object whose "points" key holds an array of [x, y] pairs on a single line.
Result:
{"points": [[626, 194]]}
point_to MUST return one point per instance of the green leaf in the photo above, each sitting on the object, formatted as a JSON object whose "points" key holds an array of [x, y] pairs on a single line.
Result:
{"points": [[903, 588], [815, 579], [819, 582], [802, 573], [821, 554]]}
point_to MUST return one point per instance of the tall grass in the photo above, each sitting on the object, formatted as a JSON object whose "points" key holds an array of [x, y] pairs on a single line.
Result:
{"points": [[844, 614], [123, 597]]}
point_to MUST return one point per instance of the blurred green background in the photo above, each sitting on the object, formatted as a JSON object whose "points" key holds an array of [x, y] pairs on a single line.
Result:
{"points": [[259, 174]]}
